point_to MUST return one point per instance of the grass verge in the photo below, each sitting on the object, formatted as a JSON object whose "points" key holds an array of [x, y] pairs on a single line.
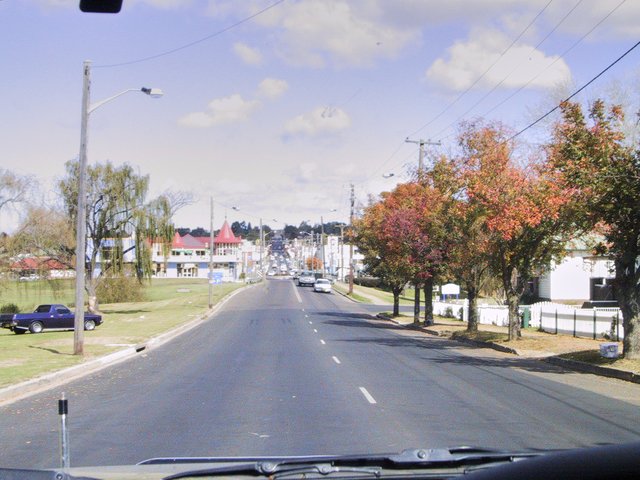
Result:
{"points": [[170, 303], [480, 336], [354, 295], [593, 357]]}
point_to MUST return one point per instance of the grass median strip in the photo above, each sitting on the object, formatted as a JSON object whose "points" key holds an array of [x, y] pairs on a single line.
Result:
{"points": [[170, 303]]}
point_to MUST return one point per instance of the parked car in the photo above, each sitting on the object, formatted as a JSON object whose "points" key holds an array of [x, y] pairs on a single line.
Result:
{"points": [[46, 317], [322, 285], [306, 278]]}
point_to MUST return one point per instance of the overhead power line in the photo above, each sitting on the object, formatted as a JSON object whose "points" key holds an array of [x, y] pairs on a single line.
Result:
{"points": [[504, 79], [576, 92], [195, 42], [468, 89]]}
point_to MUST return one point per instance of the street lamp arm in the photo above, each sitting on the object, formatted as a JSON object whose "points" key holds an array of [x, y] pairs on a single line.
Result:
{"points": [[153, 92]]}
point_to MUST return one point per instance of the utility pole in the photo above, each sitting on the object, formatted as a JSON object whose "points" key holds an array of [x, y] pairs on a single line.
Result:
{"points": [[322, 244], [261, 251], [340, 249], [421, 143], [81, 214], [211, 251], [353, 202]]}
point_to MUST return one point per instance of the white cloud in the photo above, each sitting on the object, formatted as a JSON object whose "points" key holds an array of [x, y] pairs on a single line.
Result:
{"points": [[221, 111], [521, 66], [307, 171], [272, 88], [316, 33], [249, 55], [322, 120]]}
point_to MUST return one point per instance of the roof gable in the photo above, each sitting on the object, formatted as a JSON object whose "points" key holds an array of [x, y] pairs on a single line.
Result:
{"points": [[226, 235], [188, 241]]}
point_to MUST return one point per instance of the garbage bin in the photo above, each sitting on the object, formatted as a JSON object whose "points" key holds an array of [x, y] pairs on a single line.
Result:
{"points": [[526, 317], [609, 350]]}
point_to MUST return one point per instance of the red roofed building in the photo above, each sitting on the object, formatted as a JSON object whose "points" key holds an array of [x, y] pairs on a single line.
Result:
{"points": [[189, 257], [36, 267]]}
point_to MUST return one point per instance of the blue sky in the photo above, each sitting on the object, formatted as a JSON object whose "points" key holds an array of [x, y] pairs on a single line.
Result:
{"points": [[279, 114]]}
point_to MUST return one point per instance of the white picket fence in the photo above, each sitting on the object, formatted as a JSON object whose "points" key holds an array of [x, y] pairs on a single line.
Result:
{"points": [[550, 317]]}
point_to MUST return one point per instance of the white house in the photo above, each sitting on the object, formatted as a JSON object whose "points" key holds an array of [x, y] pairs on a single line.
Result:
{"points": [[580, 276]]}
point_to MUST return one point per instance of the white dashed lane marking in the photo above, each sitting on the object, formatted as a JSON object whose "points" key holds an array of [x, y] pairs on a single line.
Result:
{"points": [[368, 396]]}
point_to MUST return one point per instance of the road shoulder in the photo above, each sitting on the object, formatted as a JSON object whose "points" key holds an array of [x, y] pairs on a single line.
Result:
{"points": [[549, 356]]}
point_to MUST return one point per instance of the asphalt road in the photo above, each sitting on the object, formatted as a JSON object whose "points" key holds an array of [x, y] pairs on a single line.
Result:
{"points": [[281, 370]]}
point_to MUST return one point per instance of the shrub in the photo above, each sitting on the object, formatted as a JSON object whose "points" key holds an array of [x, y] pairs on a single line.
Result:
{"points": [[9, 308], [367, 281], [119, 289], [448, 312]]}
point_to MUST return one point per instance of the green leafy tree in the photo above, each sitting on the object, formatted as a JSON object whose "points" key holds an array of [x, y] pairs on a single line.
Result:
{"points": [[117, 208], [594, 160]]}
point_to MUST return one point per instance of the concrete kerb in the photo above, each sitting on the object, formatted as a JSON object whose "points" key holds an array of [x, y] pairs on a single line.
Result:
{"points": [[595, 369], [346, 295], [554, 359], [50, 380]]}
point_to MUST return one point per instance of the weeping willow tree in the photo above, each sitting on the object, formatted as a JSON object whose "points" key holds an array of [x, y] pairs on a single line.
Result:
{"points": [[120, 220]]}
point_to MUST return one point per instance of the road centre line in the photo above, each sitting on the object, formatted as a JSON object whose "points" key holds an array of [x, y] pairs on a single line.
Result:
{"points": [[295, 290], [310, 322], [322, 342], [335, 359], [315, 331], [368, 396]]}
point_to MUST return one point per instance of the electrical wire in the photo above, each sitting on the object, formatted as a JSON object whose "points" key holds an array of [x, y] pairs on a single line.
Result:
{"points": [[195, 42], [495, 87], [468, 89], [576, 92]]}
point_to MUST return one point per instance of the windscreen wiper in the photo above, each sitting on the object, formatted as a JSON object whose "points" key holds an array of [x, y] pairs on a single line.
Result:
{"points": [[453, 461]]}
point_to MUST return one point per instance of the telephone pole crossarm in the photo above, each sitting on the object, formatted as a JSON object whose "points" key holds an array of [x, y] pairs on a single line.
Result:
{"points": [[422, 143]]}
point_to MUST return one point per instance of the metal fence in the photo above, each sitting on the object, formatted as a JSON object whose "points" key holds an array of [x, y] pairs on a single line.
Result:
{"points": [[579, 322]]}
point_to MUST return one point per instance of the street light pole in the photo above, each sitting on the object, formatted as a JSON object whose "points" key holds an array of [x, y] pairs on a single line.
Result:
{"points": [[81, 213], [353, 202], [211, 251]]}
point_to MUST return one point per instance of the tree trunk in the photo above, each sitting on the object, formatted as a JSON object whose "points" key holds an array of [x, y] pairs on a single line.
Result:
{"points": [[416, 304], [510, 283], [472, 298], [428, 301], [628, 295], [513, 301], [396, 301], [92, 297]]}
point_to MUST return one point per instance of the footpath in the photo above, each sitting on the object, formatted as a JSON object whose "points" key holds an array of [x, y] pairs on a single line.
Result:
{"points": [[580, 354]]}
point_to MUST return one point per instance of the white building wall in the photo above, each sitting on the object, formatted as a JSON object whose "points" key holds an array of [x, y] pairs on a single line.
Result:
{"points": [[569, 280]]}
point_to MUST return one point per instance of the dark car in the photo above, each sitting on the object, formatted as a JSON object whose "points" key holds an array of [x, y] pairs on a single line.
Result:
{"points": [[47, 317]]}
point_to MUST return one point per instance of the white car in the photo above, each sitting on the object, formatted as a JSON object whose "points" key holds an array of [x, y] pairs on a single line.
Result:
{"points": [[322, 285]]}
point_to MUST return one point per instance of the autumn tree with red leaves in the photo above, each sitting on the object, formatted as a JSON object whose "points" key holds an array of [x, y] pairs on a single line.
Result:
{"points": [[468, 239], [525, 213], [313, 263], [592, 157], [413, 232], [374, 240]]}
